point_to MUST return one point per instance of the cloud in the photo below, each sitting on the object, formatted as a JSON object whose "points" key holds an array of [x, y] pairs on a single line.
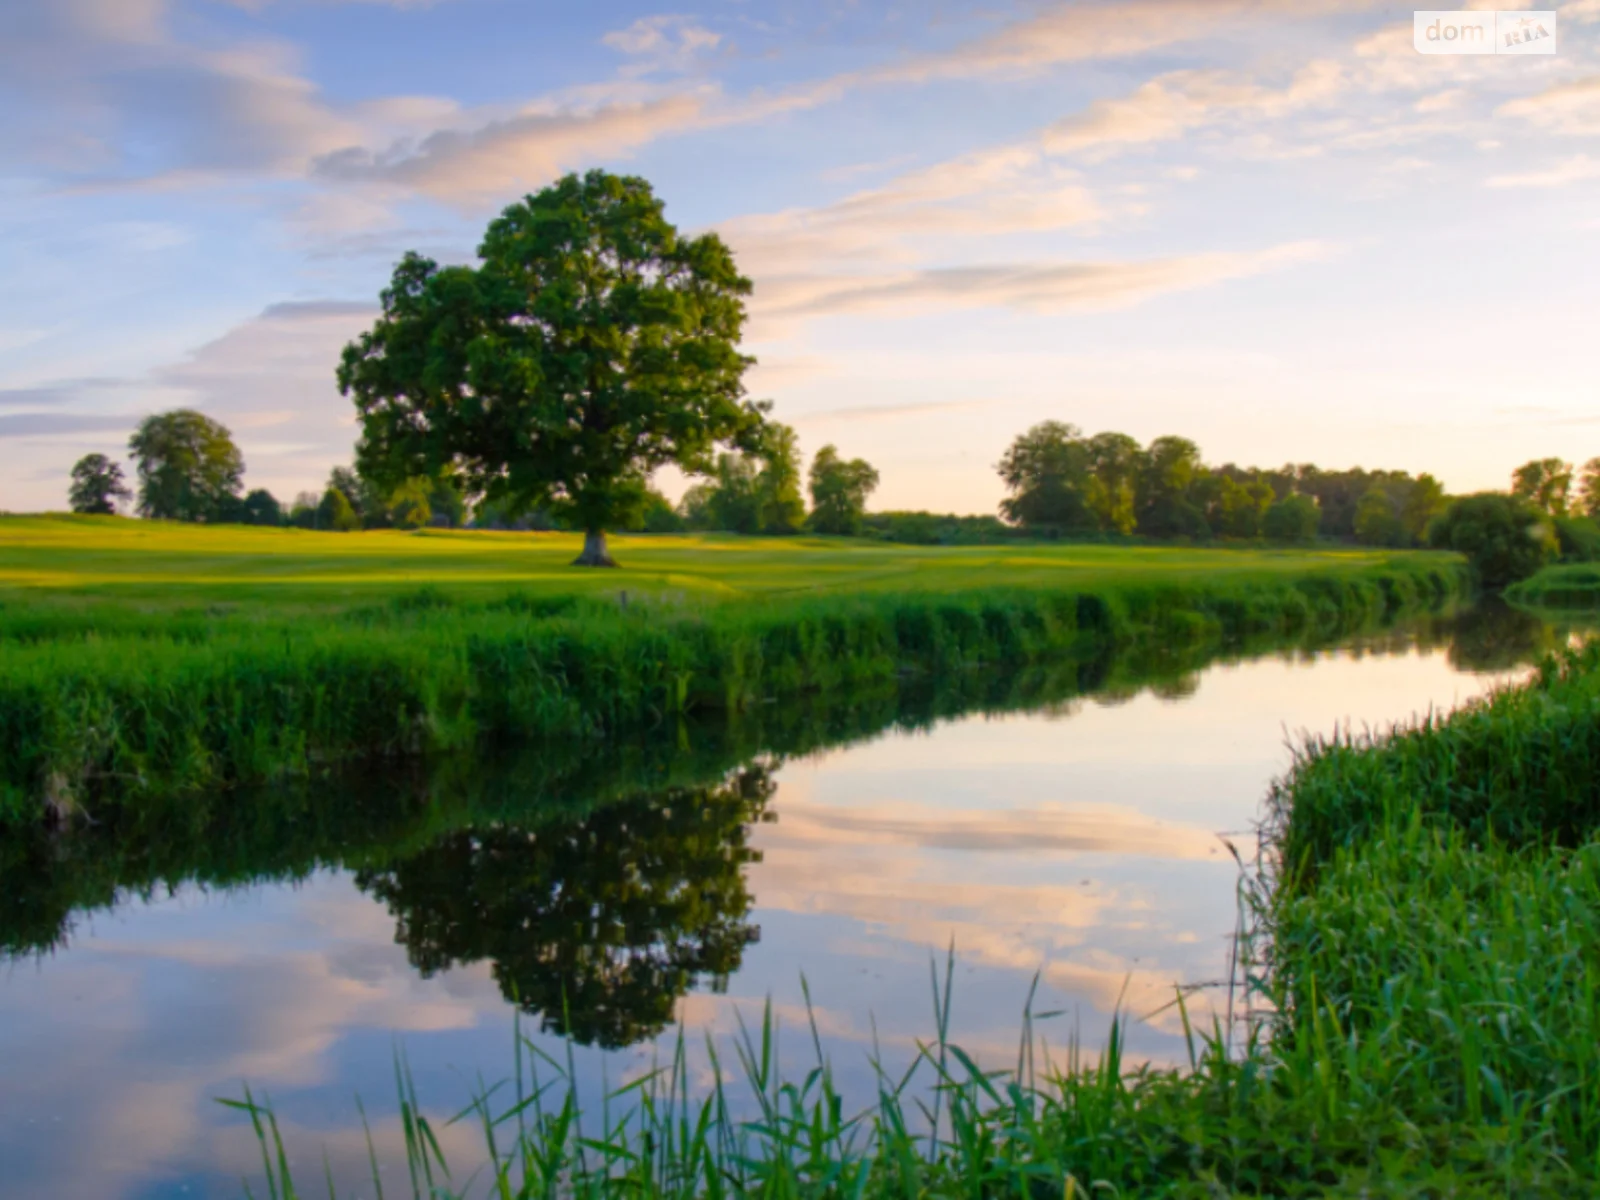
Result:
{"points": [[1573, 170], [1071, 33], [1173, 104], [477, 164], [1570, 108], [1032, 287], [668, 43], [112, 96], [1050, 829], [1006, 189], [873, 412], [31, 425]]}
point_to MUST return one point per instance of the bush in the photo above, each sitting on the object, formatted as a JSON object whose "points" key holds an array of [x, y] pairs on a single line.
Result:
{"points": [[1504, 538], [1293, 519], [1578, 538]]}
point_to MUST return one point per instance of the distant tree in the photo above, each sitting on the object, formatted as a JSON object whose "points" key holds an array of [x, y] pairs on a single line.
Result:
{"points": [[1589, 489], [1424, 501], [695, 508], [839, 491], [303, 512], [735, 502], [659, 516], [1545, 483], [593, 345], [1240, 508], [1046, 470], [1377, 523], [445, 501], [408, 505], [261, 507], [1292, 519], [1165, 498], [783, 510], [97, 485], [1115, 465], [189, 467], [1504, 537], [336, 513]]}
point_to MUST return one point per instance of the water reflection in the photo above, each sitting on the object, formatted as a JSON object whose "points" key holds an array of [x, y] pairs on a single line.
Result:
{"points": [[1065, 820], [599, 924]]}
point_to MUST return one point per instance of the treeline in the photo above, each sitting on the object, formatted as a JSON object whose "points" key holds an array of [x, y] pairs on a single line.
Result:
{"points": [[189, 469], [1063, 483], [1060, 482]]}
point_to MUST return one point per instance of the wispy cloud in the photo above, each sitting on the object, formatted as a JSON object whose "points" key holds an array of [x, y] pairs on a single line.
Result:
{"points": [[1574, 170], [1047, 287], [1569, 108]]}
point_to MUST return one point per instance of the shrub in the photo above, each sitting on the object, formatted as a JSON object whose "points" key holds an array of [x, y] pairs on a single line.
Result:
{"points": [[1504, 538]]}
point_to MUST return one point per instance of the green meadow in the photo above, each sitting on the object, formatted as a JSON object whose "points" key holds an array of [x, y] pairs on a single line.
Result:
{"points": [[143, 658], [163, 565]]}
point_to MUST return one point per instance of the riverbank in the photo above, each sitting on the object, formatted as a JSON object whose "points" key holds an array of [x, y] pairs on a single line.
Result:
{"points": [[1428, 923], [142, 660]]}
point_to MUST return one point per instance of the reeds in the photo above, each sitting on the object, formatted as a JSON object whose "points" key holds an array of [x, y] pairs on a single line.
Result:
{"points": [[89, 715]]}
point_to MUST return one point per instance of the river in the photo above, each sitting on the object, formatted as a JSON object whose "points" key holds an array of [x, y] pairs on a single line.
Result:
{"points": [[1089, 842]]}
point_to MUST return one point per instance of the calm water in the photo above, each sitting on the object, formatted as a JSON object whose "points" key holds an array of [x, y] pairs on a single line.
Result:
{"points": [[1084, 841]]}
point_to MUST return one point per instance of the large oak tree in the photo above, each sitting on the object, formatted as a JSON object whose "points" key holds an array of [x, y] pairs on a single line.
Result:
{"points": [[594, 344]]}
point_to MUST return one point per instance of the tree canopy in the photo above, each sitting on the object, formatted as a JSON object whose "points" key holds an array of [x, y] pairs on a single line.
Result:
{"points": [[839, 491], [594, 344], [1505, 538], [97, 485], [189, 468]]}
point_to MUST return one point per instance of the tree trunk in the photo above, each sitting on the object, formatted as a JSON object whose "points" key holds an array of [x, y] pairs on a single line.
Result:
{"points": [[594, 551]]}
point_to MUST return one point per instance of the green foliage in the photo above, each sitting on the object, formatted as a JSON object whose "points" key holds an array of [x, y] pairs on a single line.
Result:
{"points": [[755, 492], [1545, 483], [1578, 538], [1046, 470], [260, 507], [1377, 522], [778, 482], [938, 529], [189, 468], [695, 509], [408, 505], [336, 514], [659, 516], [593, 345], [97, 485], [1240, 507], [1292, 519], [839, 491], [1564, 587], [1589, 489], [1503, 537]]}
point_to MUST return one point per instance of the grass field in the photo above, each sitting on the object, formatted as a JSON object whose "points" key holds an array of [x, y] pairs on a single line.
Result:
{"points": [[138, 658], [161, 564]]}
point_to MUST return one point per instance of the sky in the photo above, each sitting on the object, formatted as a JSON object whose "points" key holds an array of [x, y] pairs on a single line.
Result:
{"points": [[1268, 225]]}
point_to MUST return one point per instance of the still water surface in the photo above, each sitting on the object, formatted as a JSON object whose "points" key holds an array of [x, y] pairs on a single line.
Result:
{"points": [[1084, 842]]}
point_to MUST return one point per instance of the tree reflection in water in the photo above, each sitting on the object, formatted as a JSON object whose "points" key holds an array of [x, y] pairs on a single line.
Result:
{"points": [[597, 924]]}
